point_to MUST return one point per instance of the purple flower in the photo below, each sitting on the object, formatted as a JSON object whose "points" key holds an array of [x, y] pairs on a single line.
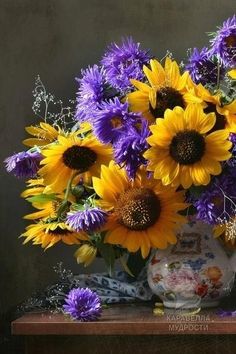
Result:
{"points": [[83, 305], [224, 42], [217, 200], [226, 313], [88, 220], [202, 67], [233, 138], [113, 120], [124, 62], [232, 161], [92, 91], [24, 164], [129, 149]]}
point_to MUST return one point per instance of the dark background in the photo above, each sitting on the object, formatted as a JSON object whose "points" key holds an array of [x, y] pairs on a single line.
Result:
{"points": [[56, 38]]}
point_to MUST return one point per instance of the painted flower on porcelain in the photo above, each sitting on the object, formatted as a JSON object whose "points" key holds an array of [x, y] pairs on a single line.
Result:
{"points": [[182, 282]]}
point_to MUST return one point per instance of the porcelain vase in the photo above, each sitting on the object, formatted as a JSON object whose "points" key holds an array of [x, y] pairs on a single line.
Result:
{"points": [[195, 272]]}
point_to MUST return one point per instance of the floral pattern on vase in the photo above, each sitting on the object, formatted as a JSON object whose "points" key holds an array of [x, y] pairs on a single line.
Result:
{"points": [[194, 272]]}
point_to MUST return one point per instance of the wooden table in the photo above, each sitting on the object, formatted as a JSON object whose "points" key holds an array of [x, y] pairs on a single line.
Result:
{"points": [[128, 328]]}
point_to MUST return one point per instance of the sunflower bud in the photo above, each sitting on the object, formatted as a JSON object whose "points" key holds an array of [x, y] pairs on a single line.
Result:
{"points": [[85, 254]]}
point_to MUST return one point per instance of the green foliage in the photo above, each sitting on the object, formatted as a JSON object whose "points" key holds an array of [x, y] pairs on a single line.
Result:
{"points": [[42, 198], [107, 252]]}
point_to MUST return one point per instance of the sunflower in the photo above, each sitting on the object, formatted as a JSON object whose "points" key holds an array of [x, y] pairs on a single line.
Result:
{"points": [[167, 89], [86, 254], [142, 213], [34, 187], [42, 135], [48, 234], [45, 133], [44, 200], [232, 74], [225, 114], [181, 152], [226, 232], [70, 156]]}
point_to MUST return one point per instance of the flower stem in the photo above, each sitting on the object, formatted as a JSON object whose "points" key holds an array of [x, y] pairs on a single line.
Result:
{"points": [[64, 204], [218, 75], [68, 188]]}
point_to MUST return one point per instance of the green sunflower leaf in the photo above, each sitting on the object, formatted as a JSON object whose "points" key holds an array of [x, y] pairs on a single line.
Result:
{"points": [[42, 198], [108, 254]]}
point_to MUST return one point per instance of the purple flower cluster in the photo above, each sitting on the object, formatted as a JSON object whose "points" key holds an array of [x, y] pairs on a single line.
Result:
{"points": [[100, 101], [129, 149], [203, 68], [92, 91], [86, 220], [24, 164], [224, 43], [124, 62], [218, 199], [206, 65], [113, 120], [232, 161], [100, 83], [83, 305]]}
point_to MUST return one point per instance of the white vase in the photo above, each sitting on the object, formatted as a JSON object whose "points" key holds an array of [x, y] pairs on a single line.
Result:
{"points": [[195, 272]]}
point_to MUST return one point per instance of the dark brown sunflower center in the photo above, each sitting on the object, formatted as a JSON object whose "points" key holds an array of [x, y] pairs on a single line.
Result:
{"points": [[138, 208], [187, 147], [59, 231], [166, 97], [231, 41], [220, 119], [79, 157]]}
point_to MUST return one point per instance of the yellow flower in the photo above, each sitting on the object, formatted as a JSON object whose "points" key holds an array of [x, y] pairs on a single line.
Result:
{"points": [[42, 135], [43, 199], [34, 187], [45, 133], [72, 155], [225, 114], [86, 254], [46, 210], [226, 232], [181, 152], [166, 90], [232, 74], [48, 234], [142, 213]]}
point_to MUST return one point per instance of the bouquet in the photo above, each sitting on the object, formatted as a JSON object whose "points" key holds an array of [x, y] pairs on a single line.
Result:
{"points": [[146, 143]]}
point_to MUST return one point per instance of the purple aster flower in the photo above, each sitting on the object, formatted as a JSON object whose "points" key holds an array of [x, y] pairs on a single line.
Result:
{"points": [[113, 120], [232, 161], [88, 220], [24, 164], [129, 149], [217, 200], [233, 138], [202, 67], [124, 62], [226, 313], [224, 42], [92, 91], [83, 305]]}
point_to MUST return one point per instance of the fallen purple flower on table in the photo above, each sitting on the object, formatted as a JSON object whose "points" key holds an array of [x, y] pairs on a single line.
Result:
{"points": [[83, 304], [226, 313]]}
